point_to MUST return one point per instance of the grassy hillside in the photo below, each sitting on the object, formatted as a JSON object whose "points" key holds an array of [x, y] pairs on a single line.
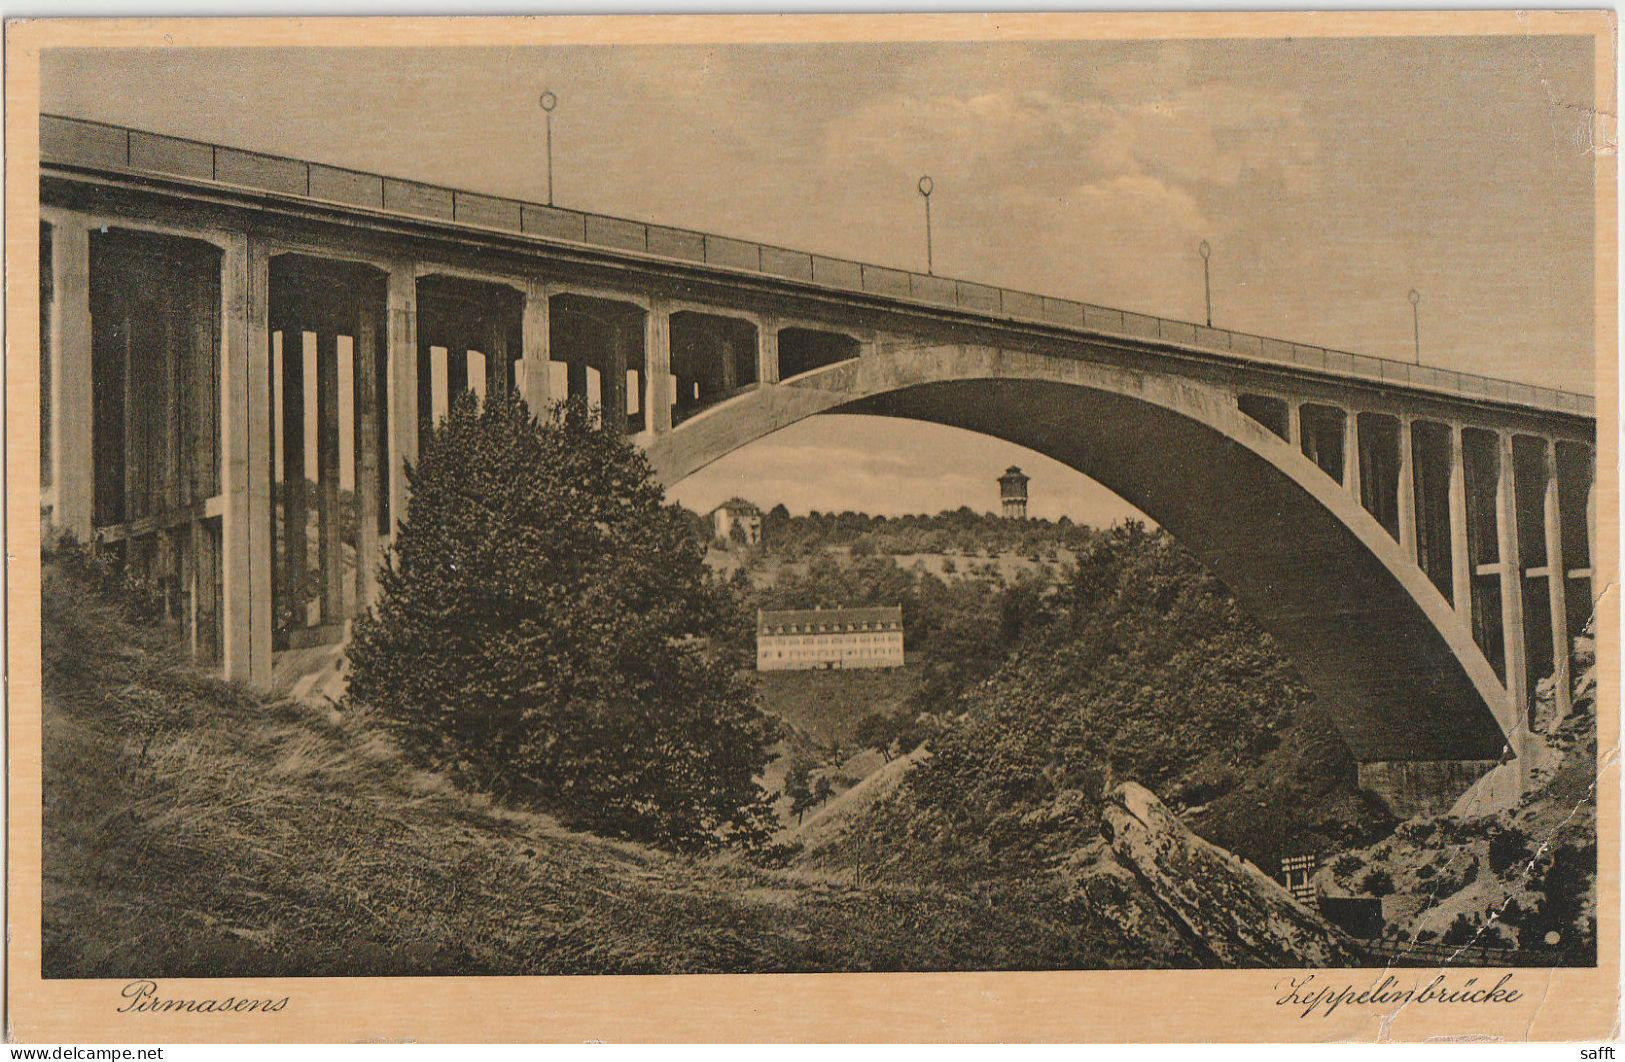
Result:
{"points": [[826, 705], [195, 829]]}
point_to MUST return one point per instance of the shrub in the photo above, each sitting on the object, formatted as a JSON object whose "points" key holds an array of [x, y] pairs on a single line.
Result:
{"points": [[1566, 905], [543, 630], [1452, 879], [1377, 883], [1463, 930], [1508, 848]]}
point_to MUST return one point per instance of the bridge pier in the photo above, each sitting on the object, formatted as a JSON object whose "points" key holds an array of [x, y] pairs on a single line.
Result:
{"points": [[534, 373], [70, 498], [401, 369], [767, 350], [1556, 580], [1405, 490], [1351, 453], [246, 461], [1461, 561], [662, 388], [1511, 569]]}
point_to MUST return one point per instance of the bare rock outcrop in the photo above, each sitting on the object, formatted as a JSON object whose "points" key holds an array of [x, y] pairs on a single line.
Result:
{"points": [[1126, 917], [1228, 911]]}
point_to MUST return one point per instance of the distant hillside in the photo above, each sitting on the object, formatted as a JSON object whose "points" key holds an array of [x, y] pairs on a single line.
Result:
{"points": [[956, 532], [826, 705]]}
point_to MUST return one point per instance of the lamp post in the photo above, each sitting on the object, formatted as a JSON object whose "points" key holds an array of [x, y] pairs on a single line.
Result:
{"points": [[1206, 251], [549, 101], [926, 186], [1415, 298]]}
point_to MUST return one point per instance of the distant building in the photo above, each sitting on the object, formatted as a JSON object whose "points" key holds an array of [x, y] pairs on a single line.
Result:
{"points": [[1013, 493], [737, 512], [805, 639]]}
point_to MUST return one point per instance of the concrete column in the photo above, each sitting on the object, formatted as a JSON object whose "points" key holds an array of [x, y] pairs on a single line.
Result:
{"points": [[537, 337], [1351, 453], [369, 479], [1556, 582], [658, 347], [767, 350], [1506, 523], [1461, 562], [74, 474], [245, 436], [1407, 492], [1294, 424], [1593, 547], [402, 367], [328, 546], [235, 566], [261, 462]]}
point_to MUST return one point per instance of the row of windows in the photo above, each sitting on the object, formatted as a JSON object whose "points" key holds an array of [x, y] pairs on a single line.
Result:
{"points": [[851, 639], [805, 654]]}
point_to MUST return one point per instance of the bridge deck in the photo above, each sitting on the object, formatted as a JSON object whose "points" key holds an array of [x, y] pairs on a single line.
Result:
{"points": [[72, 142]]}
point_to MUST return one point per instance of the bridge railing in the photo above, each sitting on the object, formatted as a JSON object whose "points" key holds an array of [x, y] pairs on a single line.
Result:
{"points": [[76, 142]]}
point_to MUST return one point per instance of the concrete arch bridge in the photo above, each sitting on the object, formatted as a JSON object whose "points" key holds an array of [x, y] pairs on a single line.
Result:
{"points": [[239, 352]]}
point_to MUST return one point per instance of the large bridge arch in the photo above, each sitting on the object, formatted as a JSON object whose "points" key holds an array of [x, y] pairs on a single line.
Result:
{"points": [[1375, 639]]}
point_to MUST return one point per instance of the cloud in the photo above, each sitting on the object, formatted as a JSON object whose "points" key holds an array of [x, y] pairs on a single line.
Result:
{"points": [[1113, 180], [1213, 133]]}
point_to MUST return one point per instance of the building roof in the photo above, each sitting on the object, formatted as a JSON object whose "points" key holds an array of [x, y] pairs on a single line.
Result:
{"points": [[829, 620], [738, 505]]}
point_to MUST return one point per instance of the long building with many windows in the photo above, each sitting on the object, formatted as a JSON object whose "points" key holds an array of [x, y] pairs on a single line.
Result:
{"points": [[806, 639]]}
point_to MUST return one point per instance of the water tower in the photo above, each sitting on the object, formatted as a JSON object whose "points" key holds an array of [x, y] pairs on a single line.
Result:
{"points": [[1013, 493]]}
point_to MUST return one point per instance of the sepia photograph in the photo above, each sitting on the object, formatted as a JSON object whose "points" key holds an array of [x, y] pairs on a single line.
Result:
{"points": [[570, 498]]}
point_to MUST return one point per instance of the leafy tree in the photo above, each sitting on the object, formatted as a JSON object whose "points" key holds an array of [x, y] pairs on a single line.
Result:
{"points": [[823, 789], [543, 630], [798, 787], [877, 730]]}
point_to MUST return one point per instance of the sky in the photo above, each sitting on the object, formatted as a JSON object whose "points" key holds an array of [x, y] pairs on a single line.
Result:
{"points": [[1329, 176]]}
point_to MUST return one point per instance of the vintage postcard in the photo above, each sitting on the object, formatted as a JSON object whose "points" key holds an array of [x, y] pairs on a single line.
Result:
{"points": [[519, 528]]}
